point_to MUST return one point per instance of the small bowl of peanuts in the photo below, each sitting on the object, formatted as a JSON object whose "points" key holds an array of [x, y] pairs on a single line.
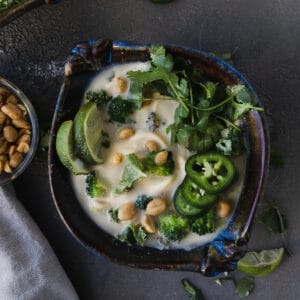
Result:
{"points": [[18, 131]]}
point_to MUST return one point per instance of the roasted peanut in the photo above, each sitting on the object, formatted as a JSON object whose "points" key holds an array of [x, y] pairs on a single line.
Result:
{"points": [[11, 150], [12, 110], [4, 92], [152, 146], [15, 131], [10, 133], [24, 131], [120, 84], [127, 211], [24, 138], [7, 168], [126, 133], [3, 157], [224, 208], [1, 166], [148, 224], [156, 206], [23, 147], [3, 147], [117, 159], [15, 159], [21, 123], [161, 158], [11, 99], [2, 117]]}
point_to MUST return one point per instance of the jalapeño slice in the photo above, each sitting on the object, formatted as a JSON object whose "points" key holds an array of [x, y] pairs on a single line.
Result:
{"points": [[213, 172], [183, 207], [196, 195]]}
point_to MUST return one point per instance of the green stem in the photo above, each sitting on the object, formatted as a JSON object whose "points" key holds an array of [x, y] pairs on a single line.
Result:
{"points": [[212, 107], [192, 101], [228, 123], [178, 97]]}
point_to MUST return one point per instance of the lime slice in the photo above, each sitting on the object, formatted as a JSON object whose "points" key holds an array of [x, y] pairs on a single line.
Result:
{"points": [[87, 133], [260, 263], [64, 149]]}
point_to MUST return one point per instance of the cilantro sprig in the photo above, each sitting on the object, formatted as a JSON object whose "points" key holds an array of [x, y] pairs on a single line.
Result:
{"points": [[205, 107]]}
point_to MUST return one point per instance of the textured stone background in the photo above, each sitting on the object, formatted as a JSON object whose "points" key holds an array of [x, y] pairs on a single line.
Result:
{"points": [[266, 35]]}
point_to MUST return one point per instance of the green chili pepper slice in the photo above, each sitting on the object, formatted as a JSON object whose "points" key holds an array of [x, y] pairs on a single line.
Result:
{"points": [[193, 193], [183, 207], [213, 172]]}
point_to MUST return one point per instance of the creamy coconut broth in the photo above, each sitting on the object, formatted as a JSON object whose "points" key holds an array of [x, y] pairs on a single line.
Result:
{"points": [[155, 186]]}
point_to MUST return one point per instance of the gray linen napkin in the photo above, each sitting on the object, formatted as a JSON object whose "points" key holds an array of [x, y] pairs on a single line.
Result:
{"points": [[29, 268]]}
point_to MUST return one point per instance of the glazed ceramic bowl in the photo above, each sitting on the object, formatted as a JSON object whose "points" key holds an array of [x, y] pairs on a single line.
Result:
{"points": [[221, 254], [4, 177]]}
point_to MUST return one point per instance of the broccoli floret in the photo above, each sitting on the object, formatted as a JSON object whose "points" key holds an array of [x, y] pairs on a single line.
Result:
{"points": [[119, 109], [133, 235], [132, 172], [207, 223], [101, 98], [94, 186], [173, 227], [142, 200], [163, 170]]}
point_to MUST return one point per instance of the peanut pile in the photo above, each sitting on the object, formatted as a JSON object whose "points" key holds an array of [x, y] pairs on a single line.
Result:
{"points": [[15, 131]]}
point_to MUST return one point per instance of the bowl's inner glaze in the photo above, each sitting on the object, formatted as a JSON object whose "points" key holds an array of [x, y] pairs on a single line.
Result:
{"points": [[219, 255]]}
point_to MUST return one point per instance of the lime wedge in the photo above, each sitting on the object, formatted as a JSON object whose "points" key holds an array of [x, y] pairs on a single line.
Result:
{"points": [[87, 133], [260, 263], [64, 149]]}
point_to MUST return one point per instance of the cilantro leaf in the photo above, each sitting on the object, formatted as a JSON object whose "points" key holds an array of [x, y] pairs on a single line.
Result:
{"points": [[242, 94], [160, 58], [245, 286]]}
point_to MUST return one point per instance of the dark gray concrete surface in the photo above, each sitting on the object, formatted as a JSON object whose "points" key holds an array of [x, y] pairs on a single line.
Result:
{"points": [[267, 37]]}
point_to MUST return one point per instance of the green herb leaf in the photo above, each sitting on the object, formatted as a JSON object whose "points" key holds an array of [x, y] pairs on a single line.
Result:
{"points": [[160, 58], [274, 220], [245, 286], [193, 292]]}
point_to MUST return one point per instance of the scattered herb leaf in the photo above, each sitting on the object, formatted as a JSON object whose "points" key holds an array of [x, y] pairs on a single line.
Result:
{"points": [[274, 220], [193, 292], [245, 286]]}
